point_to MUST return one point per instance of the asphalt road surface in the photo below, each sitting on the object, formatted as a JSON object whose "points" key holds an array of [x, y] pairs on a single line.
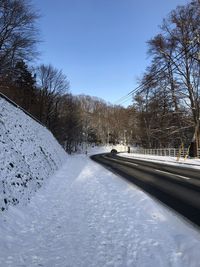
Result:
{"points": [[177, 187]]}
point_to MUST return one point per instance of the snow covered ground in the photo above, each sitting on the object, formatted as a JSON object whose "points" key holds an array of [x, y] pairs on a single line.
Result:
{"points": [[189, 163], [29, 154], [86, 216], [83, 215]]}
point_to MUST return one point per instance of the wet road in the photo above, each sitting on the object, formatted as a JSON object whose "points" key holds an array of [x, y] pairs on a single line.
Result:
{"points": [[177, 187]]}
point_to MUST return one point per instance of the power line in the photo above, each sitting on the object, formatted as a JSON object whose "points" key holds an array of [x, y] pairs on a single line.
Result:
{"points": [[164, 68], [127, 97]]}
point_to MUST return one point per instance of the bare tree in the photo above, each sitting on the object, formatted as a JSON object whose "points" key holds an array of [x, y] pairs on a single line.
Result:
{"points": [[18, 34], [52, 84], [171, 83]]}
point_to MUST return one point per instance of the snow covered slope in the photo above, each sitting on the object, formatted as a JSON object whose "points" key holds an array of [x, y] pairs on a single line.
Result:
{"points": [[28, 155]]}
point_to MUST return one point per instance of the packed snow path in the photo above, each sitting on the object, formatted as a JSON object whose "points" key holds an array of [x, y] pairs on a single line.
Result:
{"points": [[86, 216]]}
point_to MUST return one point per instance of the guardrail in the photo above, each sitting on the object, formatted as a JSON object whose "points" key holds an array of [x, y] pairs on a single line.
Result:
{"points": [[17, 106], [170, 152]]}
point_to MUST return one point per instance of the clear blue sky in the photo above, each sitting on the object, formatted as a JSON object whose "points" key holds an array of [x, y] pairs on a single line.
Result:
{"points": [[100, 44]]}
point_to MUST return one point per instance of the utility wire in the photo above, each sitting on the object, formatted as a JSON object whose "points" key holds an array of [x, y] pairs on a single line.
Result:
{"points": [[164, 68], [127, 97], [141, 86]]}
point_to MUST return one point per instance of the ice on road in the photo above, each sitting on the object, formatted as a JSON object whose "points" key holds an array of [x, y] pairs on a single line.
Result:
{"points": [[87, 216]]}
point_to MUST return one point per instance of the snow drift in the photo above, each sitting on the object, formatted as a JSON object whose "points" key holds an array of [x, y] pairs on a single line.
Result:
{"points": [[29, 154]]}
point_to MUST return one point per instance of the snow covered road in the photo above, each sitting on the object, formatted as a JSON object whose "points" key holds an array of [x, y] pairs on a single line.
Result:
{"points": [[86, 216]]}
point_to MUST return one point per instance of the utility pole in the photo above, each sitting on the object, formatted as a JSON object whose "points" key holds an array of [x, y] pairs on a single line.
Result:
{"points": [[125, 141], [195, 141], [108, 137]]}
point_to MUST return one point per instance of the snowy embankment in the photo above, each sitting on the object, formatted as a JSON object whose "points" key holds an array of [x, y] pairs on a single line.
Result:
{"points": [[28, 155], [86, 216]]}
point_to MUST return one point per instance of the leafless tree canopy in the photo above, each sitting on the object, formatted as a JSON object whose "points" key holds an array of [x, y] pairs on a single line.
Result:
{"points": [[170, 88], [18, 33]]}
